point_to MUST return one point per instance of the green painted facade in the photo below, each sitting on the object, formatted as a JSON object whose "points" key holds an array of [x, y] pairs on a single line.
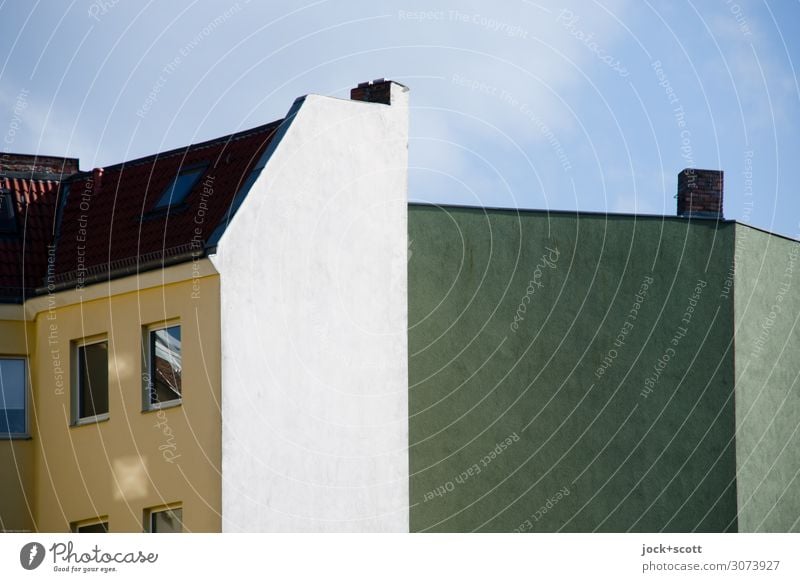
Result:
{"points": [[576, 373], [767, 392]]}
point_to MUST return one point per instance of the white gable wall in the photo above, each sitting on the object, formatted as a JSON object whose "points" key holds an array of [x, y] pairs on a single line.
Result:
{"points": [[314, 327]]}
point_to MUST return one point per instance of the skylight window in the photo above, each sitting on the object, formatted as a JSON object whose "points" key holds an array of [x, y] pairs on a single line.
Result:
{"points": [[179, 188]]}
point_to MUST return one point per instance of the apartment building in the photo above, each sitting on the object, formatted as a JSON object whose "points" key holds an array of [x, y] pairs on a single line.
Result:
{"points": [[581, 372], [145, 302]]}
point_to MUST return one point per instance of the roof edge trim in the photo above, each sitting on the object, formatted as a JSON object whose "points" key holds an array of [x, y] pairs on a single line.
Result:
{"points": [[280, 133]]}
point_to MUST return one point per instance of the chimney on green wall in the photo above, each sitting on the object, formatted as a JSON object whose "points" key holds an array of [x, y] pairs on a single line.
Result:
{"points": [[700, 193]]}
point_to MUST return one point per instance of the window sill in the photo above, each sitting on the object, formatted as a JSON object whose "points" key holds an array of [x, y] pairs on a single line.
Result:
{"points": [[15, 437], [90, 420], [163, 406]]}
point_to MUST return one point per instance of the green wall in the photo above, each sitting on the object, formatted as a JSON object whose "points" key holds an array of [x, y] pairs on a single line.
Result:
{"points": [[512, 425], [767, 298]]}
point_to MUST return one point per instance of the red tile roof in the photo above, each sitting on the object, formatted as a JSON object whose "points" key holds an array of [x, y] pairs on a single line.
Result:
{"points": [[108, 221], [24, 253], [103, 223]]}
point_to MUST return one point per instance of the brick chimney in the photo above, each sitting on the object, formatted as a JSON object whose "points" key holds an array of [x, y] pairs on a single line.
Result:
{"points": [[33, 167], [377, 91], [700, 193]]}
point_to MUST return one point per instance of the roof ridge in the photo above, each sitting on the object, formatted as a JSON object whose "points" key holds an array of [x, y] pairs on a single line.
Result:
{"points": [[191, 147]]}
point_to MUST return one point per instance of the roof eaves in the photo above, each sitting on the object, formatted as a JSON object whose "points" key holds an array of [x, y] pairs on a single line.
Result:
{"points": [[593, 213], [124, 267]]}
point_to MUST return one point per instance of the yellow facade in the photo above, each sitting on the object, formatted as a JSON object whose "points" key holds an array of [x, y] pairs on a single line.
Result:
{"points": [[119, 468], [16, 456]]}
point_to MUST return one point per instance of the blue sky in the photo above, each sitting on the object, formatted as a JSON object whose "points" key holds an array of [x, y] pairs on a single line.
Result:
{"points": [[562, 105]]}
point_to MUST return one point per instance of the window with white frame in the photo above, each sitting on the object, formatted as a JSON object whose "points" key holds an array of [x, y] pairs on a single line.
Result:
{"points": [[164, 364], [164, 520], [90, 380], [13, 397]]}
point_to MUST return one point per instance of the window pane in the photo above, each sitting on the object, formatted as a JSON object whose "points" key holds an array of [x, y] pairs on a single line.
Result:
{"points": [[169, 521], [93, 379], [93, 528], [12, 396], [165, 358], [179, 188]]}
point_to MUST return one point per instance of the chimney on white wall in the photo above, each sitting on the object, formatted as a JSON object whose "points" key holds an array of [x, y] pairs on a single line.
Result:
{"points": [[378, 91]]}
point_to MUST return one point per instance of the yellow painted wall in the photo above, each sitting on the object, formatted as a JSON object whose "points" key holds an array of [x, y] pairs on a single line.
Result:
{"points": [[16, 478], [134, 460], [16, 456]]}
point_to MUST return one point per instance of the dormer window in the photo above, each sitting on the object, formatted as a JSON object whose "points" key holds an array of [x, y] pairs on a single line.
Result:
{"points": [[177, 190], [8, 221]]}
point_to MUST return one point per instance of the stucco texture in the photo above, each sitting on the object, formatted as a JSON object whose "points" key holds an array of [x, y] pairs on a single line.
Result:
{"points": [[16, 455], [767, 392], [314, 347], [516, 421]]}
